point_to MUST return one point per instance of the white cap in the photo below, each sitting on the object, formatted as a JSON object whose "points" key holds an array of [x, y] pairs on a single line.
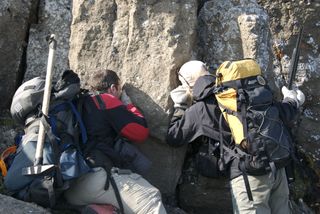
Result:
{"points": [[191, 71]]}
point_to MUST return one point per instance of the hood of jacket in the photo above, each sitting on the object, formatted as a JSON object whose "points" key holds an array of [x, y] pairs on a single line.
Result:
{"points": [[204, 87]]}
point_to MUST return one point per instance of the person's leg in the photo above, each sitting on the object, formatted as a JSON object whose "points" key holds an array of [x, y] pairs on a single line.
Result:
{"points": [[260, 187], [138, 194], [279, 198], [90, 189]]}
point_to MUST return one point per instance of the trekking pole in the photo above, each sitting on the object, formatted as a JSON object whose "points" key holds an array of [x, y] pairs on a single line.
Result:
{"points": [[292, 74], [38, 166], [295, 59]]}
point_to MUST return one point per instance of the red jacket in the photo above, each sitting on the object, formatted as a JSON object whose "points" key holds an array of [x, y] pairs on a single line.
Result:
{"points": [[106, 117]]}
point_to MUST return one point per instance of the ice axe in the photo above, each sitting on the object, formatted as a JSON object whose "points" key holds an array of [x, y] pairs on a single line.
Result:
{"points": [[38, 167]]}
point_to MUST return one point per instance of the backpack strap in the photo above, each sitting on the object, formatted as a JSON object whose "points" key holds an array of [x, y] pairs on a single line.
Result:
{"points": [[80, 122], [211, 146], [223, 147], [61, 107], [240, 155], [243, 112], [244, 83], [80, 102], [48, 184], [115, 188], [245, 178], [237, 153], [221, 144], [99, 100], [48, 128]]}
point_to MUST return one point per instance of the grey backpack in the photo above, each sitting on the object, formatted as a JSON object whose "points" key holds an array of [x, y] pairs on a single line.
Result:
{"points": [[27, 99], [65, 132]]}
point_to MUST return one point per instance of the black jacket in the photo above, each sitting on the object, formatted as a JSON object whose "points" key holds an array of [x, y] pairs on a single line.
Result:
{"points": [[202, 119]]}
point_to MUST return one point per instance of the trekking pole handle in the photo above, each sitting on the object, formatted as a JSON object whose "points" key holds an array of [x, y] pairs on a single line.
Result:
{"points": [[46, 99]]}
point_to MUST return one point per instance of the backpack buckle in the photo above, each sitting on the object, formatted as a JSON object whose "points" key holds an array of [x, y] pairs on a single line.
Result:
{"points": [[118, 171]]}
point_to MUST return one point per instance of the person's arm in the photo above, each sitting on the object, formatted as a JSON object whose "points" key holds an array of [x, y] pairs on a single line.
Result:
{"points": [[288, 108], [180, 128], [136, 129]]}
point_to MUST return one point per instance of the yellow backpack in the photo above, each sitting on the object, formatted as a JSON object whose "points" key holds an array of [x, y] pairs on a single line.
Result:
{"points": [[261, 142], [228, 99]]}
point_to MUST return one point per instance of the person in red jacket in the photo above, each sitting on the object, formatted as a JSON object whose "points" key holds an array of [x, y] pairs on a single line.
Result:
{"points": [[111, 121], [109, 114]]}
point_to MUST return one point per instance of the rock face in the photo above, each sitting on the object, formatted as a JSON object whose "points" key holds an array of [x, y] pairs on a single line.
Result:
{"points": [[146, 42], [286, 18], [10, 205], [231, 30], [24, 26], [14, 20], [54, 17]]}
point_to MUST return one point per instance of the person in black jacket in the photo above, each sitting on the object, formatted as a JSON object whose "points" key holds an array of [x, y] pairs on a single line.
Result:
{"points": [[189, 122]]}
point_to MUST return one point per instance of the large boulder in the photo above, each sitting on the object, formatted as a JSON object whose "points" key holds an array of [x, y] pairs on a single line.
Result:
{"points": [[231, 30], [145, 42], [15, 17], [286, 18], [54, 17]]}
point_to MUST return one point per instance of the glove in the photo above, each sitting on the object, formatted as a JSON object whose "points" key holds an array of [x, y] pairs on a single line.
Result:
{"points": [[296, 95], [181, 97], [125, 98]]}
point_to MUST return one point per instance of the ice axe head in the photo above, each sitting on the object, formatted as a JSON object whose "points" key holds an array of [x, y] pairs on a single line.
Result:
{"points": [[38, 170]]}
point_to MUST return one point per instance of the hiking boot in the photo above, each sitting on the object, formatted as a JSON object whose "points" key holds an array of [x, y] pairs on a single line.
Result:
{"points": [[100, 209]]}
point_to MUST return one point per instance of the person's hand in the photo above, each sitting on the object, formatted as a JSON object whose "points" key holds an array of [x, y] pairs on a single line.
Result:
{"points": [[125, 98], [296, 95], [181, 97]]}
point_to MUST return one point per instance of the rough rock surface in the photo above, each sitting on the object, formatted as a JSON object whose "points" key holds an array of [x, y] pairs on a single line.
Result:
{"points": [[9, 205], [286, 17], [145, 42], [54, 17], [14, 20], [233, 30]]}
